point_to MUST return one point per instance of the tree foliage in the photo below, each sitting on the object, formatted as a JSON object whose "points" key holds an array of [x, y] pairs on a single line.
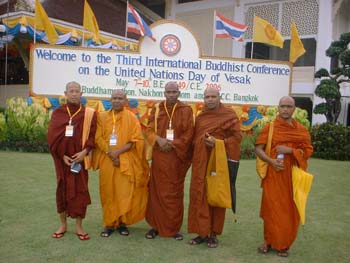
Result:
{"points": [[329, 87]]}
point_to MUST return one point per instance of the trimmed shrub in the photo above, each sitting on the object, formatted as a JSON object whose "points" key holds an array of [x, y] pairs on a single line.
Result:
{"points": [[331, 142]]}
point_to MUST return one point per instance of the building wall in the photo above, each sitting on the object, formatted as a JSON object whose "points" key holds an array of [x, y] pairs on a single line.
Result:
{"points": [[201, 23], [12, 91], [316, 19]]}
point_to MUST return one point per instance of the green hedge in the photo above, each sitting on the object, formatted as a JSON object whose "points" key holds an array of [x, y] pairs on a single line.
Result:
{"points": [[331, 142]]}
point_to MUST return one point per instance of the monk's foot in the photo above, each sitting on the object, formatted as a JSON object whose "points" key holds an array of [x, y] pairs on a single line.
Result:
{"points": [[151, 234], [212, 242], [283, 253], [178, 237], [123, 230], [264, 248], [107, 231], [60, 232], [197, 240]]}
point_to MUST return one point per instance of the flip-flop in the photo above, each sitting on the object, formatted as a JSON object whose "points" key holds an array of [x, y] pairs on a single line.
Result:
{"points": [[197, 240], [58, 235], [107, 232], [178, 237], [83, 237], [151, 234]]}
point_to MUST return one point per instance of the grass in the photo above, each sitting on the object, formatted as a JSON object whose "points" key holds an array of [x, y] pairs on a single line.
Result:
{"points": [[28, 217]]}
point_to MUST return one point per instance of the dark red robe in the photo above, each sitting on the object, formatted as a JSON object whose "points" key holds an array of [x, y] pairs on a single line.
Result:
{"points": [[72, 194]]}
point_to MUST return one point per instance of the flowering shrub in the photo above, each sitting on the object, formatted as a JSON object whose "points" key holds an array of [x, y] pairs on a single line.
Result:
{"points": [[299, 115], [24, 127]]}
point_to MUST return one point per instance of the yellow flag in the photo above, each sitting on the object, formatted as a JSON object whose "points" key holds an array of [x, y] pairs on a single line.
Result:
{"points": [[264, 32], [90, 22], [42, 22], [296, 46]]}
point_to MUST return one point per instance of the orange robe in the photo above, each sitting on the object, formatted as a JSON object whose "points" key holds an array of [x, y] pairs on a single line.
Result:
{"points": [[168, 170], [72, 193], [222, 123], [278, 210], [123, 189]]}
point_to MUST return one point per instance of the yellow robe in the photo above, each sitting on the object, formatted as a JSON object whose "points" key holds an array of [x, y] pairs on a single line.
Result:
{"points": [[123, 189]]}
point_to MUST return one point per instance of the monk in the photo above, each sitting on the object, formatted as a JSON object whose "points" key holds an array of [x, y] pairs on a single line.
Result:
{"points": [[291, 145], [71, 136], [215, 122], [170, 130], [122, 165]]}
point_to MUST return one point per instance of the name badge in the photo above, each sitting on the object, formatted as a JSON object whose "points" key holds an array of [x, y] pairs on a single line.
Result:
{"points": [[69, 131], [113, 140], [170, 134]]}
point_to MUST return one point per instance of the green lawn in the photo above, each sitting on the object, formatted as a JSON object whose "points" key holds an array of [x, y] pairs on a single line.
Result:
{"points": [[28, 217]]}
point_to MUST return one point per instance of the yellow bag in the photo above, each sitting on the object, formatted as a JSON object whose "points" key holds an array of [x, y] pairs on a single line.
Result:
{"points": [[217, 177], [261, 166], [302, 182]]}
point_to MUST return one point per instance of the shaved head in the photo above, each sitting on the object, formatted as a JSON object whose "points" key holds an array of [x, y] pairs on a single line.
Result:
{"points": [[118, 100], [287, 98], [211, 98], [171, 84], [171, 92], [119, 92], [286, 108], [73, 84], [212, 90]]}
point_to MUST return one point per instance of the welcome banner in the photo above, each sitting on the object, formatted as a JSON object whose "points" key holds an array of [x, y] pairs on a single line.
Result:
{"points": [[175, 56]]}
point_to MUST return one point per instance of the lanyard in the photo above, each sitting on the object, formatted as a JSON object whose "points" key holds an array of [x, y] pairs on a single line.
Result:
{"points": [[167, 113], [113, 131], [72, 116]]}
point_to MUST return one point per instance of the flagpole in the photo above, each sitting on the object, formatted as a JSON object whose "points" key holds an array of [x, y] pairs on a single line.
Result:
{"points": [[214, 29], [252, 46], [126, 24]]}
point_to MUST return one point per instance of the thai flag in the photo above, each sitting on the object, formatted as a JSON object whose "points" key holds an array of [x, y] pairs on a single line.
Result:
{"points": [[226, 28], [136, 24]]}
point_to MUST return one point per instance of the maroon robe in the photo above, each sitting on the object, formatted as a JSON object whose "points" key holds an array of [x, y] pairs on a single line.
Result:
{"points": [[222, 123], [72, 193], [165, 207]]}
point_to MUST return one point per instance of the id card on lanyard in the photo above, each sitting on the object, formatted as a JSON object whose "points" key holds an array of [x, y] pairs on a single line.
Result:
{"points": [[70, 128], [170, 131]]}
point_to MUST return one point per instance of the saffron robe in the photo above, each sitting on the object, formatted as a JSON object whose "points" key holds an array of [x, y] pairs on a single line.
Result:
{"points": [[168, 169], [123, 189], [278, 210], [222, 123], [72, 193]]}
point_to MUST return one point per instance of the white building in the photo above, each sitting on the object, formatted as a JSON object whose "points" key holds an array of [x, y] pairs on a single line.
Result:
{"points": [[319, 22]]}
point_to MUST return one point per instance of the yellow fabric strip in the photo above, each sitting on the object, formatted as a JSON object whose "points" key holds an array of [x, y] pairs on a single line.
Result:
{"points": [[89, 113]]}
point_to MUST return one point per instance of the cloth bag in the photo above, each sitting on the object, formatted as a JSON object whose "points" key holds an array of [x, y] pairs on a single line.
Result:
{"points": [[217, 177], [261, 166], [302, 182]]}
